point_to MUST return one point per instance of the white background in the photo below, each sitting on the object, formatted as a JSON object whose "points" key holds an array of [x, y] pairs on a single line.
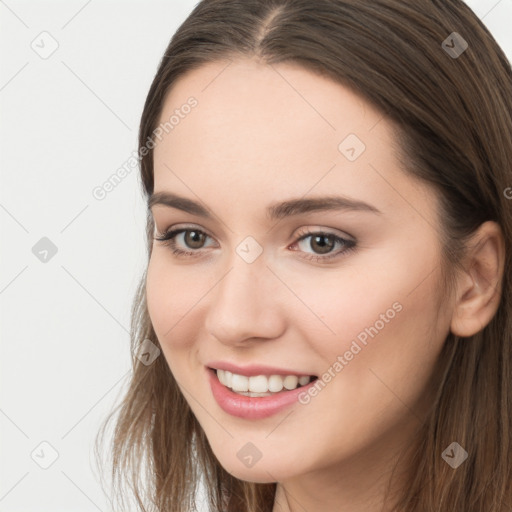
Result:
{"points": [[68, 123]]}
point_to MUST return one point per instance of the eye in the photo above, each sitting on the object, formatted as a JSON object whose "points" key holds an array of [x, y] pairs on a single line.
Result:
{"points": [[322, 243], [194, 238]]}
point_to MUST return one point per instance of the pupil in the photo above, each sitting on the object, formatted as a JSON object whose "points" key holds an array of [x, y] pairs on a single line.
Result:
{"points": [[324, 248], [193, 239]]}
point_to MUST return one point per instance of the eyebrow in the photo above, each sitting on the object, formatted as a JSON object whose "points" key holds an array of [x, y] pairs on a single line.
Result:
{"points": [[275, 211]]}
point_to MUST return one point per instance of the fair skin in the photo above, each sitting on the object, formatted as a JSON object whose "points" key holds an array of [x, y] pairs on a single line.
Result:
{"points": [[261, 135]]}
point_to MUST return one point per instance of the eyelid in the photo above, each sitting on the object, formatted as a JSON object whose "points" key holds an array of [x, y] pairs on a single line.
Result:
{"points": [[327, 231], [178, 227]]}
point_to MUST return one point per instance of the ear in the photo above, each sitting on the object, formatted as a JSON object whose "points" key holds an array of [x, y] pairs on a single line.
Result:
{"points": [[479, 286]]}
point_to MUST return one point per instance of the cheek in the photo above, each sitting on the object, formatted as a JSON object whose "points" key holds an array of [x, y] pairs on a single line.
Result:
{"points": [[382, 324], [173, 302], [173, 297], [387, 300], [386, 360]]}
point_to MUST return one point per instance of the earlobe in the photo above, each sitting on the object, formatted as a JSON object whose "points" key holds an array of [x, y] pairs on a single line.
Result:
{"points": [[479, 286]]}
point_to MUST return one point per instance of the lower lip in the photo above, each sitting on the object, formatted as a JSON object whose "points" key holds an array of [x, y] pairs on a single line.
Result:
{"points": [[251, 407]]}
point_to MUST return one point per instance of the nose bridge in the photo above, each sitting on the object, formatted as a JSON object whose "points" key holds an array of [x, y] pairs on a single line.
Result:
{"points": [[244, 302]]}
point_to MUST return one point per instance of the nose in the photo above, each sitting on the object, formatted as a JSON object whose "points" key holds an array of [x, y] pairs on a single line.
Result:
{"points": [[244, 307]]}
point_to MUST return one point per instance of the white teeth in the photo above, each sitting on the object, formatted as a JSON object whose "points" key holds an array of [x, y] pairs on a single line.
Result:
{"points": [[291, 381], [240, 382], [304, 380], [275, 383], [260, 385]]}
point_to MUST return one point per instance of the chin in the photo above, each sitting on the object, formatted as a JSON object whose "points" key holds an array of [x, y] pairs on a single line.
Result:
{"points": [[255, 475], [261, 472]]}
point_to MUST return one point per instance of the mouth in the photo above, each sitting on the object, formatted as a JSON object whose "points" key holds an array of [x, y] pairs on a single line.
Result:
{"points": [[261, 385]]}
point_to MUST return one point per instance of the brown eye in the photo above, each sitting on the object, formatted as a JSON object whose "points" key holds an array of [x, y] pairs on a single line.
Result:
{"points": [[322, 244], [194, 239]]}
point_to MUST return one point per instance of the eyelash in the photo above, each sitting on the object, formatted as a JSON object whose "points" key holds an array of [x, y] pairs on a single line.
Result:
{"points": [[168, 239]]}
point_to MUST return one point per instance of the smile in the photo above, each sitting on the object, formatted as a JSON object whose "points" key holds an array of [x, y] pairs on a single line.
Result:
{"points": [[260, 385], [249, 404]]}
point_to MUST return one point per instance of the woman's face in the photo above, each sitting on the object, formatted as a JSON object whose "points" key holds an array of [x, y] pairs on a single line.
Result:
{"points": [[360, 312]]}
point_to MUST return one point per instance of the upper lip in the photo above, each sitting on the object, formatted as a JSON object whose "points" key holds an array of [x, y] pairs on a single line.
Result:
{"points": [[254, 369]]}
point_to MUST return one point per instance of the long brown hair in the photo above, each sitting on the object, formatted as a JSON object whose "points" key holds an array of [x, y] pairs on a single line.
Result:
{"points": [[454, 128]]}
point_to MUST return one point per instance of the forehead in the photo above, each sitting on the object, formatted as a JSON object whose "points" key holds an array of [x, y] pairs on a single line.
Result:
{"points": [[271, 131], [263, 99]]}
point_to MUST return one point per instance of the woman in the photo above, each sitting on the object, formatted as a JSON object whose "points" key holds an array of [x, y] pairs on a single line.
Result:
{"points": [[325, 320]]}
